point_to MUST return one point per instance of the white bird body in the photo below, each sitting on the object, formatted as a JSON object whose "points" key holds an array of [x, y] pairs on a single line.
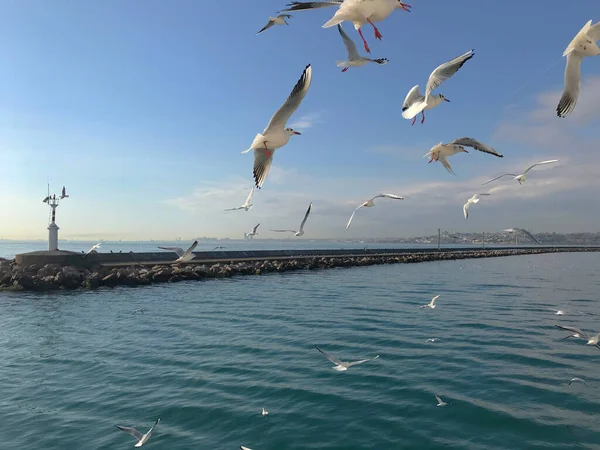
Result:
{"points": [[252, 233], [299, 232], [440, 152], [431, 304], [354, 58], [359, 12], [473, 200], [275, 135], [558, 312], [370, 203], [142, 438], [247, 205], [94, 247], [522, 177], [187, 255], [591, 340], [265, 412], [279, 20], [415, 103], [440, 401], [584, 44], [342, 366]]}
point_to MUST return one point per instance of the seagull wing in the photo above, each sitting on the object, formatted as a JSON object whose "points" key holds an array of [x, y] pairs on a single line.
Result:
{"points": [[180, 252], [466, 209], [262, 165], [267, 26], [292, 103], [352, 216], [541, 163], [500, 176], [354, 363], [434, 299], [445, 71], [353, 54], [594, 32], [413, 104], [331, 358], [255, 228], [249, 199], [283, 231], [395, 197], [304, 6], [568, 100], [439, 400], [474, 143], [444, 160], [573, 330], [155, 423], [527, 233], [305, 217], [191, 249], [234, 209], [64, 192], [287, 16], [132, 431]]}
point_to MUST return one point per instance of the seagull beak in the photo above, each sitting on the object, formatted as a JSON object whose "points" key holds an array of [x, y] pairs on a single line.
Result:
{"points": [[295, 132], [446, 100]]}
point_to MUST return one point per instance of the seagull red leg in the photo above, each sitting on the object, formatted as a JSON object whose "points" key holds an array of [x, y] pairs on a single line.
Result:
{"points": [[364, 41], [414, 120], [267, 151], [344, 69], [423, 114], [377, 33]]}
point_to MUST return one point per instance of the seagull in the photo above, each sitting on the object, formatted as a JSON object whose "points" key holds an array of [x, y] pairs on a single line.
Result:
{"points": [[46, 200], [359, 12], [440, 152], [354, 59], [279, 20], [275, 135], [577, 379], [583, 44], [522, 177], [138, 311], [265, 412], [184, 256], [300, 232], [471, 201], [142, 438], [557, 312], [430, 340], [63, 193], [440, 401], [247, 205], [369, 203], [253, 233], [341, 365], [244, 448], [218, 247], [577, 333], [94, 247], [431, 304], [415, 103], [525, 232]]}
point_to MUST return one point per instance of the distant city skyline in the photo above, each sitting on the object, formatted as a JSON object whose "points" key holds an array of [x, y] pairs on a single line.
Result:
{"points": [[143, 117]]}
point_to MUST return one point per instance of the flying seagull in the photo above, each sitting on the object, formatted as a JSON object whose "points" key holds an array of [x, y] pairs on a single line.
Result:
{"points": [[184, 256], [94, 247], [370, 203], [577, 379], [142, 438], [431, 304], [244, 448], [341, 365], [252, 233], [522, 177], [275, 135], [279, 20], [558, 312], [46, 200], [265, 412], [354, 58], [415, 103], [63, 194], [299, 232], [523, 231], [359, 12], [440, 401], [591, 340], [247, 205], [471, 201], [583, 44], [440, 152]]}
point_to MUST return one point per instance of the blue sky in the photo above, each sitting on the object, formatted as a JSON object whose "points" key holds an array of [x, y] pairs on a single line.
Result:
{"points": [[142, 110]]}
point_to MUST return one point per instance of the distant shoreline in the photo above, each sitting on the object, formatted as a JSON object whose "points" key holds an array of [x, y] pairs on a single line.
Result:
{"points": [[132, 269]]}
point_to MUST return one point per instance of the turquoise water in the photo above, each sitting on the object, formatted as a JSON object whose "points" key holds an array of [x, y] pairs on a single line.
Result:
{"points": [[207, 356]]}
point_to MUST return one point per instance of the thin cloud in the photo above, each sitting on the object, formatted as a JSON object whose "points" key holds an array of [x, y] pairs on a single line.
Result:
{"points": [[306, 121]]}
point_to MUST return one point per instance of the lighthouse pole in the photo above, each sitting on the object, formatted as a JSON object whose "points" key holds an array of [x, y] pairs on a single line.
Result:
{"points": [[53, 228]]}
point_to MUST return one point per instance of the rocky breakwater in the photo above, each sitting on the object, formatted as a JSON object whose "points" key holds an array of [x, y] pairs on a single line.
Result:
{"points": [[14, 277]]}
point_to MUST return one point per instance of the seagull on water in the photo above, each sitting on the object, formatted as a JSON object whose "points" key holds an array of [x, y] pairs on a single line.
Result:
{"points": [[583, 44], [354, 58], [275, 135], [359, 12], [244, 448], [440, 152], [370, 203], [247, 205], [94, 247], [431, 304], [471, 201], [184, 256], [523, 231], [299, 232], [558, 312], [577, 333], [252, 233], [440, 401], [279, 20], [430, 340], [341, 365], [577, 379], [138, 311], [64, 194], [265, 412], [142, 438], [415, 103], [522, 177]]}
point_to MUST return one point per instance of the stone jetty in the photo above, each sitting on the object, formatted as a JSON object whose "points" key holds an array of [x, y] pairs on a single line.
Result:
{"points": [[54, 276]]}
